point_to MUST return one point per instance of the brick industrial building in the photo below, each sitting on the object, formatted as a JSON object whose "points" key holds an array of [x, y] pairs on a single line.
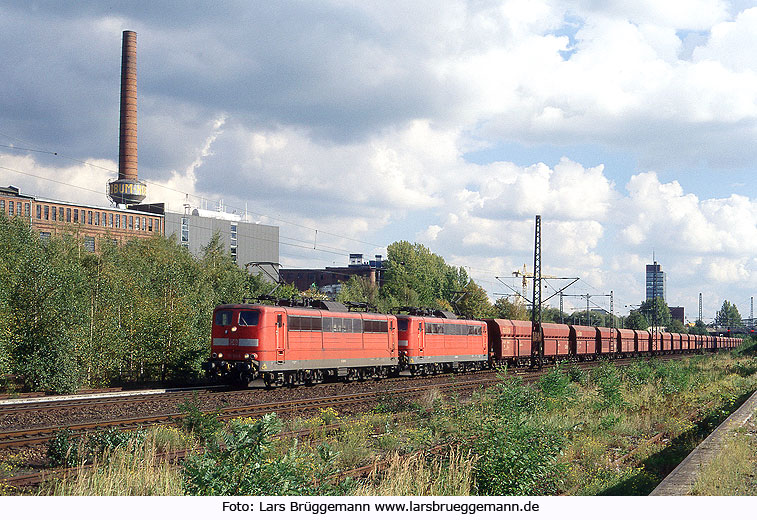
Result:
{"points": [[245, 241]]}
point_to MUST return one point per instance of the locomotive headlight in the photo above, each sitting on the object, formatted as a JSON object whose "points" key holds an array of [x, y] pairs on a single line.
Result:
{"points": [[220, 355], [247, 356], [233, 329]]}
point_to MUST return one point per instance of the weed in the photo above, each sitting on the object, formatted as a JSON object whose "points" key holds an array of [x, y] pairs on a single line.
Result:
{"points": [[62, 450], [555, 384], [606, 377], [204, 425]]}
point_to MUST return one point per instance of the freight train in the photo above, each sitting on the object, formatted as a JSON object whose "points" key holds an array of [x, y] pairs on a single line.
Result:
{"points": [[291, 345]]}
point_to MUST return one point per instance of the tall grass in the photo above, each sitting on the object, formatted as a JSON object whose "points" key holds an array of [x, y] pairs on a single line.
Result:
{"points": [[132, 470], [418, 475], [732, 471]]}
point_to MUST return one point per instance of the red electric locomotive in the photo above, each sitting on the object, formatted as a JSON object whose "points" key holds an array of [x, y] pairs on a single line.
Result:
{"points": [[295, 345], [441, 343]]}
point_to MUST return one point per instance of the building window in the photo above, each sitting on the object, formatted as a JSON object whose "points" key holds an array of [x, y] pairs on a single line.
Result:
{"points": [[47, 212], [61, 214], [123, 221], [76, 215], [18, 208], [110, 219], [39, 211], [97, 218], [137, 223], [11, 208], [2, 206], [55, 213], [144, 224], [149, 223], [89, 218], [68, 214], [44, 236], [185, 231], [89, 244], [131, 221], [234, 241]]}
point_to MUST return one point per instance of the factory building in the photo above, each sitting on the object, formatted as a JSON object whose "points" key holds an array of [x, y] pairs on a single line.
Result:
{"points": [[328, 279], [246, 242], [88, 222]]}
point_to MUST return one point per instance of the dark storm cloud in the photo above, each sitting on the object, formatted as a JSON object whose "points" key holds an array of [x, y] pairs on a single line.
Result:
{"points": [[333, 72]]}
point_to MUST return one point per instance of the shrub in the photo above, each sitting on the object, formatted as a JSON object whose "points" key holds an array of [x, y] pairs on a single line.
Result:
{"points": [[639, 373], [62, 451], [247, 464], [555, 384], [520, 460], [204, 425], [607, 378]]}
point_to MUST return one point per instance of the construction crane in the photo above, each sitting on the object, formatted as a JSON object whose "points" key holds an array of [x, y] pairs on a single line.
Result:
{"points": [[526, 275]]}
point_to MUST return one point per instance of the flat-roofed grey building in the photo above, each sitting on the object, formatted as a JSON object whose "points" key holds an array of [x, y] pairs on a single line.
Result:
{"points": [[245, 241]]}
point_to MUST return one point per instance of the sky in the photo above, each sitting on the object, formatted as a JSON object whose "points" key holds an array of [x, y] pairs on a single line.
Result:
{"points": [[628, 126]]}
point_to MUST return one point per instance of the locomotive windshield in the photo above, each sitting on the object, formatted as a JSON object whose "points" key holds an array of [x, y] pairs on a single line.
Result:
{"points": [[248, 318], [223, 318], [402, 324]]}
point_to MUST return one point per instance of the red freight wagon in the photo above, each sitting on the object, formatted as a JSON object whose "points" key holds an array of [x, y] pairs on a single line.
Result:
{"points": [[676, 341], [583, 340], [685, 340], [509, 340], [625, 341], [431, 344], [642, 340], [606, 340], [556, 340], [666, 341], [292, 345], [655, 340]]}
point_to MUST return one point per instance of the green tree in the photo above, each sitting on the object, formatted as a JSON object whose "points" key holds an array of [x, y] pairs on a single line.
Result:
{"points": [[677, 326], [511, 310], [699, 328], [636, 321], [42, 295], [474, 302], [658, 305], [416, 277], [728, 315]]}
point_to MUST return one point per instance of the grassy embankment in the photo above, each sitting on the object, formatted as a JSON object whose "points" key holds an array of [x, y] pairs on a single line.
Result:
{"points": [[569, 434]]}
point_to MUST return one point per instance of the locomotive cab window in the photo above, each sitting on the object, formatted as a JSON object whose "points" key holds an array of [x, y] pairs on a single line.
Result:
{"points": [[223, 318], [249, 318], [402, 324]]}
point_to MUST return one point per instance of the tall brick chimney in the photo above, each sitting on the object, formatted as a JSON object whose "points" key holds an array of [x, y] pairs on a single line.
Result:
{"points": [[128, 189]]}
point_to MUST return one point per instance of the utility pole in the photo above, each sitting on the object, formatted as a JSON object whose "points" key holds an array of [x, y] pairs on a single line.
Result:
{"points": [[588, 297], [537, 340]]}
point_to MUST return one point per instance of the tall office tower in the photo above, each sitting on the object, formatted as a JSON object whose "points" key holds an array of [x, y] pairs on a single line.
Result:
{"points": [[655, 282]]}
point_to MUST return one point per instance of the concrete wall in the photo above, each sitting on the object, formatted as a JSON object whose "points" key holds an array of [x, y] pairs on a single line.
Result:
{"points": [[254, 242]]}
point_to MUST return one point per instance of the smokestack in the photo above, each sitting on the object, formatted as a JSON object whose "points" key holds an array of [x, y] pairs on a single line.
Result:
{"points": [[128, 189], [127, 143]]}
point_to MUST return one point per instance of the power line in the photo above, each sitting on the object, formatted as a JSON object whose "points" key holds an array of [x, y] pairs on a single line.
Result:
{"points": [[199, 197]]}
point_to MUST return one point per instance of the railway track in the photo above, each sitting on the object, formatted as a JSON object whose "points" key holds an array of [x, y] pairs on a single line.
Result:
{"points": [[36, 436], [31, 437], [92, 398]]}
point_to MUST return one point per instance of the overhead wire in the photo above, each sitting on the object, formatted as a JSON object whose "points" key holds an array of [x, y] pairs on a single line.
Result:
{"points": [[182, 192]]}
